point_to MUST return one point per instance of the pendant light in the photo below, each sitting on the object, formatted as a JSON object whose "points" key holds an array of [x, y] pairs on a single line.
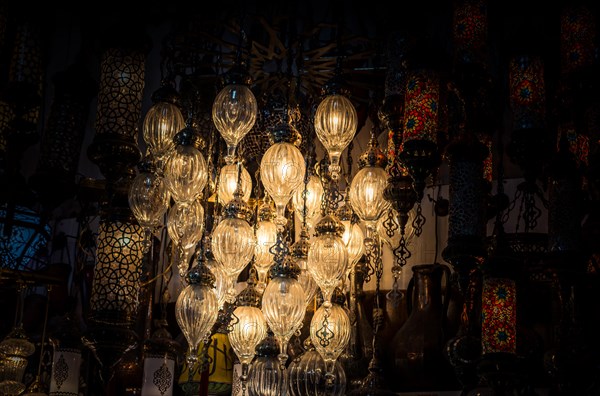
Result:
{"points": [[234, 109]]}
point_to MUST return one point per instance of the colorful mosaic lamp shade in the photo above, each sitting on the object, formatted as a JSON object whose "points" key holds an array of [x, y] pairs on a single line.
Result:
{"points": [[577, 39], [527, 92], [499, 316], [422, 106], [469, 29]]}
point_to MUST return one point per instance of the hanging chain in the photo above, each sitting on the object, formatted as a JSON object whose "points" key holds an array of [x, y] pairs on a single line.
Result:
{"points": [[390, 225], [378, 317], [324, 333]]}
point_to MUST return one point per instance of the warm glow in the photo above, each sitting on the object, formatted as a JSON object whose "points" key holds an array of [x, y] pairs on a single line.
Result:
{"points": [[330, 333], [228, 182], [186, 173], [307, 199], [162, 122], [249, 328], [327, 262]]}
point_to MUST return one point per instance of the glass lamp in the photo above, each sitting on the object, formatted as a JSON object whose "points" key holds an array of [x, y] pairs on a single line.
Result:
{"points": [[229, 177], [149, 198], [234, 110], [233, 241], [299, 251], [307, 200], [327, 256], [185, 225], [196, 309], [186, 171], [162, 121], [266, 377], [14, 351], [367, 187], [266, 237], [306, 375], [247, 328], [336, 122], [499, 316], [282, 169], [391, 234], [330, 333], [284, 303]]}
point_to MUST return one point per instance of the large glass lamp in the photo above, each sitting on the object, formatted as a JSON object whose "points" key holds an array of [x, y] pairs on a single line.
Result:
{"points": [[196, 309], [284, 303], [247, 328], [336, 122], [282, 168], [234, 110], [266, 376], [367, 187], [185, 225]]}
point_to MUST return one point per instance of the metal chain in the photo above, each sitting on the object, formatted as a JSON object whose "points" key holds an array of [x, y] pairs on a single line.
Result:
{"points": [[419, 220]]}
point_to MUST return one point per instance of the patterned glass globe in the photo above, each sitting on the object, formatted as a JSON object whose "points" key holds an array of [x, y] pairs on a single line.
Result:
{"points": [[185, 223], [282, 173], [249, 328], [312, 205], [336, 122], [149, 199], [393, 240], [366, 195], [228, 182], [196, 312], [284, 306], [327, 261], [306, 375], [234, 114], [186, 173], [266, 237], [232, 244], [162, 122]]}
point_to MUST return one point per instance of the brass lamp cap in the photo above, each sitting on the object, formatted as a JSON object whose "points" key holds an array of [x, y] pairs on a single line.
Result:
{"points": [[329, 225]]}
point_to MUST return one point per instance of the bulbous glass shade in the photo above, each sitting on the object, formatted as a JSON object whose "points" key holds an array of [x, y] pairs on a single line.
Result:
{"points": [[282, 173], [354, 239], [306, 376], [149, 199], [327, 262], [336, 122], [314, 194], [186, 173], [249, 328], [228, 182], [234, 114], [221, 281], [266, 237], [196, 312], [366, 194], [330, 333], [162, 122], [393, 240], [185, 223], [284, 306], [233, 244], [266, 377], [306, 281]]}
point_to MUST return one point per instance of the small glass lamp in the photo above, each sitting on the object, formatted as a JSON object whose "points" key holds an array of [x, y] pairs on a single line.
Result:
{"points": [[336, 122], [330, 332], [149, 198], [233, 241], [328, 256], [234, 110], [299, 251], [229, 177], [186, 171], [185, 225], [266, 377], [162, 121], [196, 309], [266, 237], [284, 303], [247, 328], [367, 187], [307, 200], [282, 169]]}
